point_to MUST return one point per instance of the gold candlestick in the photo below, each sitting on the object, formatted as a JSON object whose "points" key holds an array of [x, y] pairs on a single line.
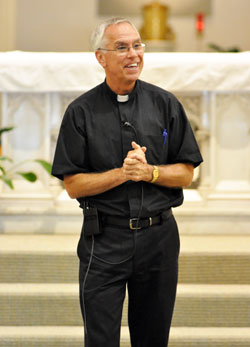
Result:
{"points": [[155, 31]]}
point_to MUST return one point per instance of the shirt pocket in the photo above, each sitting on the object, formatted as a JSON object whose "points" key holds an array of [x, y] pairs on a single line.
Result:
{"points": [[157, 147]]}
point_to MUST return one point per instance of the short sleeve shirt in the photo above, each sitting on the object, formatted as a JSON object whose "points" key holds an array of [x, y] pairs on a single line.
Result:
{"points": [[96, 135]]}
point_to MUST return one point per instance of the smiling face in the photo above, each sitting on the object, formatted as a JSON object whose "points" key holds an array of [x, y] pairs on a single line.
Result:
{"points": [[122, 71]]}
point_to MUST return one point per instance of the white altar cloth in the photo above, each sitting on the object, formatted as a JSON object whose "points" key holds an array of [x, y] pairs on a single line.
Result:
{"points": [[51, 72]]}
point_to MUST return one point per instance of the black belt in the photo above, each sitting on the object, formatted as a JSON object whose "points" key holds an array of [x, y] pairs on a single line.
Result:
{"points": [[137, 223]]}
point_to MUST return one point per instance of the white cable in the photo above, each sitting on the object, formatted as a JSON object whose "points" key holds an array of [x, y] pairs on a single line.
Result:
{"points": [[84, 283]]}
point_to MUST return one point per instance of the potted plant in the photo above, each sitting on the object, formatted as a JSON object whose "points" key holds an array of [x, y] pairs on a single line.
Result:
{"points": [[6, 175]]}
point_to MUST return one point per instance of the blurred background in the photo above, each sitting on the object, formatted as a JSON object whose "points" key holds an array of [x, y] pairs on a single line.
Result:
{"points": [[60, 25]]}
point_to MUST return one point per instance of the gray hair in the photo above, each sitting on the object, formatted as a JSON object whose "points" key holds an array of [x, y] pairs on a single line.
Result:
{"points": [[98, 38]]}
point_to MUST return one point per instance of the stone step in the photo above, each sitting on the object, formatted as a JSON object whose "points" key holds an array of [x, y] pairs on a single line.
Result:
{"points": [[211, 305], [52, 259], [73, 337], [57, 304]]}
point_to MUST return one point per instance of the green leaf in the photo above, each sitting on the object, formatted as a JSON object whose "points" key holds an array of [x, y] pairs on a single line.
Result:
{"points": [[3, 170], [46, 165], [2, 130], [7, 181], [6, 158], [29, 176]]}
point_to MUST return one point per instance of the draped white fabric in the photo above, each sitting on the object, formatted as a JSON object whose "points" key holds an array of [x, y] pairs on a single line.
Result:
{"points": [[38, 72]]}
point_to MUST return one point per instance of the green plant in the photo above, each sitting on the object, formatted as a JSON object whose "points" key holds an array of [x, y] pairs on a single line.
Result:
{"points": [[6, 175], [220, 49]]}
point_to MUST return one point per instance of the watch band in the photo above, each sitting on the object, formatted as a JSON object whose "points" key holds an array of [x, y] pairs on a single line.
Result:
{"points": [[155, 174]]}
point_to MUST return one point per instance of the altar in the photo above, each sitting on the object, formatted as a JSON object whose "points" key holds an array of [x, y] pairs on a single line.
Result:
{"points": [[214, 89]]}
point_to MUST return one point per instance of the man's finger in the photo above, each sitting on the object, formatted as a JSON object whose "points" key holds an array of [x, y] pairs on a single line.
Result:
{"points": [[136, 146], [137, 156]]}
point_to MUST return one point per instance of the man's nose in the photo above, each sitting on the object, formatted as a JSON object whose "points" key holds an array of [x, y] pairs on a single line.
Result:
{"points": [[132, 51]]}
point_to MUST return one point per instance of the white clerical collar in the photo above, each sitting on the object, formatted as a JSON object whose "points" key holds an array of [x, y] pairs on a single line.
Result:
{"points": [[122, 98]]}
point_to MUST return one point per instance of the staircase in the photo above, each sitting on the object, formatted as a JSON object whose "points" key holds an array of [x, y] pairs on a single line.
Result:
{"points": [[39, 292]]}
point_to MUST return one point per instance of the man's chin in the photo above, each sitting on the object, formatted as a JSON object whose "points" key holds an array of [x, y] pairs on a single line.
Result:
{"points": [[132, 77]]}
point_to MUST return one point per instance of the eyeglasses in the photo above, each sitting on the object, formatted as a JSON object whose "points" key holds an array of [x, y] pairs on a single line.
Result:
{"points": [[123, 49]]}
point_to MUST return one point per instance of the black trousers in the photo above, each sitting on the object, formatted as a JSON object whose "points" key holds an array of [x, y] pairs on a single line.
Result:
{"points": [[146, 262]]}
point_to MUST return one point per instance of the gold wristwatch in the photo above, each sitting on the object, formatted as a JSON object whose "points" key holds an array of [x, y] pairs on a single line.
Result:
{"points": [[155, 174]]}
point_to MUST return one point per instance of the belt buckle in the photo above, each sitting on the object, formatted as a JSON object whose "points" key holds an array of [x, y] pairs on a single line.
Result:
{"points": [[131, 226]]}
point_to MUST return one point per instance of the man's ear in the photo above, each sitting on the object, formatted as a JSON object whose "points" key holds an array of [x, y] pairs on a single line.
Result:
{"points": [[100, 56]]}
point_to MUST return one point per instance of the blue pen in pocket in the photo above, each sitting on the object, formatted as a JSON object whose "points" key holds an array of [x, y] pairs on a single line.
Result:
{"points": [[165, 134]]}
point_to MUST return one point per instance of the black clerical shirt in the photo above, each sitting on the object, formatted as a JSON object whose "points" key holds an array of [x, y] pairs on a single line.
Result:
{"points": [[96, 134]]}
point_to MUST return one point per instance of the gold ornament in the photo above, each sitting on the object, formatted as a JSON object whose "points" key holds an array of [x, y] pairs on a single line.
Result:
{"points": [[155, 27]]}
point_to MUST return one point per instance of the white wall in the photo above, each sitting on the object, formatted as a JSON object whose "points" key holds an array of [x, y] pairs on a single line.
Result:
{"points": [[66, 25], [54, 25], [228, 26], [7, 25]]}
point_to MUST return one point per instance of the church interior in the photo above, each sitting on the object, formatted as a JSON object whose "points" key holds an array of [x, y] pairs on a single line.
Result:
{"points": [[200, 51]]}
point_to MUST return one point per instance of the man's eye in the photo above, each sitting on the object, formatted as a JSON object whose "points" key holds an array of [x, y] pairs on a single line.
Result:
{"points": [[122, 48], [137, 45]]}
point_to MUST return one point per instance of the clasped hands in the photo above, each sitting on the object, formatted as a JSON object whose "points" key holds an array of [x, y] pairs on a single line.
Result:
{"points": [[135, 166]]}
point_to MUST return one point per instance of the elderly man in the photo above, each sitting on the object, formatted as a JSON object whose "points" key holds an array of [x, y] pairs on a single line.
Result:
{"points": [[125, 150]]}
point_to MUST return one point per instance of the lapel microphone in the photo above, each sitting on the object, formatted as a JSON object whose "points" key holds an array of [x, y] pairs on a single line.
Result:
{"points": [[126, 124]]}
